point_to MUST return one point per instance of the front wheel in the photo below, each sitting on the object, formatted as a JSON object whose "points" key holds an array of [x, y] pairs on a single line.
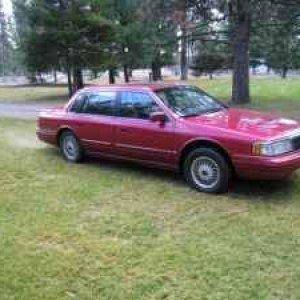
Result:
{"points": [[70, 147], [207, 170]]}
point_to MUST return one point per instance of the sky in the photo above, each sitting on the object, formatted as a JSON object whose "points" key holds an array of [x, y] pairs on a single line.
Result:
{"points": [[7, 7]]}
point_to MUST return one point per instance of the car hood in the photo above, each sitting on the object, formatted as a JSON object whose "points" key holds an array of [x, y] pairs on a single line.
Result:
{"points": [[244, 121]]}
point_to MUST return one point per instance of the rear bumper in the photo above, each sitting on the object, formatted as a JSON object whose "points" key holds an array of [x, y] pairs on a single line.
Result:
{"points": [[268, 168], [46, 136]]}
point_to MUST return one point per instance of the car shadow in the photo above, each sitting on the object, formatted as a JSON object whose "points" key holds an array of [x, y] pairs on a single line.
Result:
{"points": [[268, 191], [136, 169], [239, 189]]}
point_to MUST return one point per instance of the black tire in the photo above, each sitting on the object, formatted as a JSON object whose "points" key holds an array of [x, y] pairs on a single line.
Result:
{"points": [[212, 162], [72, 152]]}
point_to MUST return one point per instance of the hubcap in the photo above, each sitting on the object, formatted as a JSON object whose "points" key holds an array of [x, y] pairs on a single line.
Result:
{"points": [[70, 147], [205, 172]]}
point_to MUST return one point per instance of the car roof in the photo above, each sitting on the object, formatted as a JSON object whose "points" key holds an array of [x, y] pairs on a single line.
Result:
{"points": [[137, 87]]}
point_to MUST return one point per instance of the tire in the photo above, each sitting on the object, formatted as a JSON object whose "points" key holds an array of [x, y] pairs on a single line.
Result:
{"points": [[207, 170], [70, 147]]}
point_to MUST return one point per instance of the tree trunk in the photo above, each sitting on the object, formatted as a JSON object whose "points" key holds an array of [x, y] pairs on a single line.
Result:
{"points": [[284, 73], [112, 79], [55, 76], [126, 73], [94, 74], [240, 14], [184, 40], [154, 78], [32, 78], [70, 85], [183, 55], [78, 79], [156, 71], [40, 78]]}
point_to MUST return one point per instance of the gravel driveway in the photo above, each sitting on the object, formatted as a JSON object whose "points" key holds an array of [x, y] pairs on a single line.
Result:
{"points": [[23, 110]]}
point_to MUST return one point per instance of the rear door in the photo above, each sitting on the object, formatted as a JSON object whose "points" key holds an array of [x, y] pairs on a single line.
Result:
{"points": [[137, 137], [93, 120]]}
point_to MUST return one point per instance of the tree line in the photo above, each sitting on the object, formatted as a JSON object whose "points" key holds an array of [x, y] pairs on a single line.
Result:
{"points": [[113, 35]]}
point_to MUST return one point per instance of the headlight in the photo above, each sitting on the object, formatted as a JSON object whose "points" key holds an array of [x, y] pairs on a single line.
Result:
{"points": [[273, 148]]}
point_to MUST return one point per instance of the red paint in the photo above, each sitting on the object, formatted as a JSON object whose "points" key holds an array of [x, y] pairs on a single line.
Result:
{"points": [[161, 145]]}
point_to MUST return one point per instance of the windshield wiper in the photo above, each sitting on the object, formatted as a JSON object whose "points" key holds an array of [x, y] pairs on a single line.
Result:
{"points": [[203, 112], [212, 110]]}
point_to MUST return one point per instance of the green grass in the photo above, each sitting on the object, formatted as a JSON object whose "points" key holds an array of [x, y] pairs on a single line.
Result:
{"points": [[267, 93], [272, 94], [103, 230], [33, 94]]}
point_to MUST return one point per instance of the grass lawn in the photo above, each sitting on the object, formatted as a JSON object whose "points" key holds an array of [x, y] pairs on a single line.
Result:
{"points": [[34, 94], [103, 230], [267, 93], [271, 94]]}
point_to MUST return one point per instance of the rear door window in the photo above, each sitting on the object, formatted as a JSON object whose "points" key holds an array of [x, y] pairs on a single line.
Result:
{"points": [[100, 103], [78, 103]]}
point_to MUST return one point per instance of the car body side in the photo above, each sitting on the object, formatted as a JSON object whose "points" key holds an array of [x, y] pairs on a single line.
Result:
{"points": [[161, 145]]}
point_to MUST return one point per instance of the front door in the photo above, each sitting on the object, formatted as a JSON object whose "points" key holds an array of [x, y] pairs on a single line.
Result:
{"points": [[139, 138]]}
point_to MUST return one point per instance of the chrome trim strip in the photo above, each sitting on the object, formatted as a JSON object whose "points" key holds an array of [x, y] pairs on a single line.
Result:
{"points": [[145, 149], [141, 161], [97, 142]]}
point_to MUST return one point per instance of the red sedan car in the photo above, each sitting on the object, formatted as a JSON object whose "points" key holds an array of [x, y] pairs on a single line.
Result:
{"points": [[174, 127]]}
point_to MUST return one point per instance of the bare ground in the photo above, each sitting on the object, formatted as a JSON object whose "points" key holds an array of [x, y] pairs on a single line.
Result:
{"points": [[23, 110]]}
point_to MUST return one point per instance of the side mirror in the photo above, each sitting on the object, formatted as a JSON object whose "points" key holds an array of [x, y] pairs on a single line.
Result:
{"points": [[159, 117]]}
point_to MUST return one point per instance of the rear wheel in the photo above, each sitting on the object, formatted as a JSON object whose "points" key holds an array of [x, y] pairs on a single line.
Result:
{"points": [[207, 170], [70, 147]]}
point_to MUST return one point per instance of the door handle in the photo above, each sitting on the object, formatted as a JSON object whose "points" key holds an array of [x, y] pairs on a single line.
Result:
{"points": [[124, 130]]}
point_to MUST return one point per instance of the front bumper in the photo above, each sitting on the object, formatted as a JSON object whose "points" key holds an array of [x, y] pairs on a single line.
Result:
{"points": [[266, 168]]}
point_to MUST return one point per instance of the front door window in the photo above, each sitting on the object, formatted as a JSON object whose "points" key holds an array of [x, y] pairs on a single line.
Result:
{"points": [[137, 105]]}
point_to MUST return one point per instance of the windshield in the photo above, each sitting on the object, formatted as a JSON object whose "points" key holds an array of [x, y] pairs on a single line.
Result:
{"points": [[189, 101]]}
